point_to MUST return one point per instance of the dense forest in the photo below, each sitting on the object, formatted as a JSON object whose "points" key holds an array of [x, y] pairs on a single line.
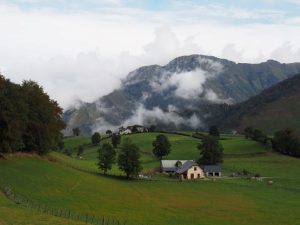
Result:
{"points": [[29, 120]]}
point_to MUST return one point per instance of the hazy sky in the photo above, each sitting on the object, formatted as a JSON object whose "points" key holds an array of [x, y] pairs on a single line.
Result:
{"points": [[82, 49]]}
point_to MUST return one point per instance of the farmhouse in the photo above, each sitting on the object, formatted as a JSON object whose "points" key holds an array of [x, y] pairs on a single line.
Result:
{"points": [[190, 171], [132, 129], [171, 166], [184, 169], [212, 170], [125, 131]]}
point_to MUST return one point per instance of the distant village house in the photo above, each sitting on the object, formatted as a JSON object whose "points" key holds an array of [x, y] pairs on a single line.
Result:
{"points": [[132, 129]]}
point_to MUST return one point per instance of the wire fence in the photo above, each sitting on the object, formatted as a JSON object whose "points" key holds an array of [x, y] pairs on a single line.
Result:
{"points": [[58, 212]]}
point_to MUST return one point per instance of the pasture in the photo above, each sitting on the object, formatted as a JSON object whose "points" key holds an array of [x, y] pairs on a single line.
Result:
{"points": [[234, 201]]}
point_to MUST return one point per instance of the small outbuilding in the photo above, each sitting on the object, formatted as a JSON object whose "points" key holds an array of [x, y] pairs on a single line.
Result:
{"points": [[212, 170], [190, 171]]}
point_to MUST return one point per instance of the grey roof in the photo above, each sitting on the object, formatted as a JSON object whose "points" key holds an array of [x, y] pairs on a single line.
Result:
{"points": [[170, 165], [186, 166], [212, 168]]}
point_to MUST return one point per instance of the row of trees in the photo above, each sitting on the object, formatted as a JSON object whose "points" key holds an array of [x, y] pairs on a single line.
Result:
{"points": [[128, 158], [29, 119], [285, 141], [256, 135]]}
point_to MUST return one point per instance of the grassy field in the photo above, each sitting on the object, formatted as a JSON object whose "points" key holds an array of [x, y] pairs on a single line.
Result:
{"points": [[12, 214], [233, 201]]}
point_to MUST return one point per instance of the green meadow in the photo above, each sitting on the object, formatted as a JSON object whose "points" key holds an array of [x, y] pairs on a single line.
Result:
{"points": [[64, 182]]}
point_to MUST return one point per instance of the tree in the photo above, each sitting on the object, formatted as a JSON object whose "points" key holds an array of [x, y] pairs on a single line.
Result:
{"points": [[256, 135], [13, 116], [29, 119], [214, 131], [211, 151], [116, 140], [152, 128], [44, 122], [286, 142], [96, 138], [109, 132], [80, 150], [76, 131], [161, 146], [106, 157], [248, 132], [129, 159]]}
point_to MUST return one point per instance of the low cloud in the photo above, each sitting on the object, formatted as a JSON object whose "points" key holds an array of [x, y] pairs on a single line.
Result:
{"points": [[83, 53], [188, 84], [147, 117]]}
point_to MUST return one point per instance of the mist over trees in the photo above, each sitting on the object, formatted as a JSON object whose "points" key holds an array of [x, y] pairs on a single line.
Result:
{"points": [[29, 119]]}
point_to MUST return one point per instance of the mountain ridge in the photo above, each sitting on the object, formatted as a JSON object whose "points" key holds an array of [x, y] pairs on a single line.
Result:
{"points": [[163, 95], [273, 109]]}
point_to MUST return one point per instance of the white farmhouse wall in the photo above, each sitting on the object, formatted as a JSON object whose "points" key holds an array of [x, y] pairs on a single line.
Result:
{"points": [[196, 170]]}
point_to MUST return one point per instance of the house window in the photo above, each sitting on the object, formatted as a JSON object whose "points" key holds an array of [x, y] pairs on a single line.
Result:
{"points": [[195, 168], [192, 176]]}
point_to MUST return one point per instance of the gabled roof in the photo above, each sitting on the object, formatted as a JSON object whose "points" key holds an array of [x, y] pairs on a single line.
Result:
{"points": [[187, 165], [170, 165], [212, 168]]}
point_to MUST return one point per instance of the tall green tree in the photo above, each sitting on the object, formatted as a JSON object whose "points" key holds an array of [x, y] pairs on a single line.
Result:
{"points": [[286, 142], [29, 119], [96, 138], [80, 150], [13, 116], [108, 132], [106, 157], [116, 140], [211, 151], [44, 119], [161, 146], [129, 159], [76, 131], [214, 131]]}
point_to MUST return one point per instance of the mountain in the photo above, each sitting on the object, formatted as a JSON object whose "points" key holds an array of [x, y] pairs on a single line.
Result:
{"points": [[273, 109], [185, 93]]}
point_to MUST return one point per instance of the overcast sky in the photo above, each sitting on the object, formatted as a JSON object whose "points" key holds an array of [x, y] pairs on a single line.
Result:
{"points": [[82, 49]]}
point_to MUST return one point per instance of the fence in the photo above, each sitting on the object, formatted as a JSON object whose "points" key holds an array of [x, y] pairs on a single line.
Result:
{"points": [[63, 213]]}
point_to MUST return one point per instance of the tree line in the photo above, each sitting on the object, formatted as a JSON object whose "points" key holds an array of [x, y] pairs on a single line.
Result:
{"points": [[29, 120], [285, 141]]}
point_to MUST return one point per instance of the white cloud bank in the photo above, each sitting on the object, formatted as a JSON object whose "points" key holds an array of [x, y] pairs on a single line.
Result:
{"points": [[189, 84], [148, 117], [84, 55]]}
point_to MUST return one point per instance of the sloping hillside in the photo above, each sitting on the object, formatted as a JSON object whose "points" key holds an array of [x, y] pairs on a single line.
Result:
{"points": [[56, 186], [162, 94], [275, 108]]}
